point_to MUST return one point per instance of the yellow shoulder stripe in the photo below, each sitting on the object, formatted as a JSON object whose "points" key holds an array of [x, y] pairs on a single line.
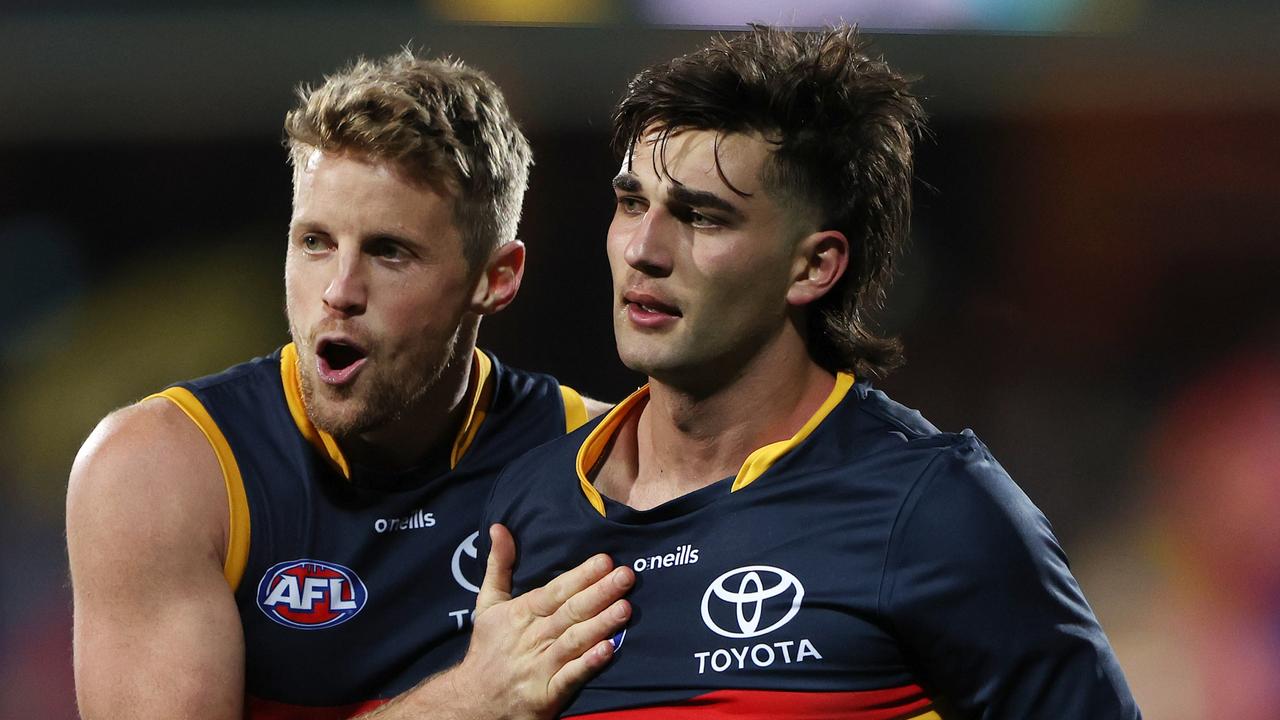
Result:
{"points": [[575, 411], [764, 458], [237, 555]]}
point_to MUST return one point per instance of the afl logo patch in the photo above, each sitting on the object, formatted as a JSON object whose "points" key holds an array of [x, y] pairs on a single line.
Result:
{"points": [[310, 594]]}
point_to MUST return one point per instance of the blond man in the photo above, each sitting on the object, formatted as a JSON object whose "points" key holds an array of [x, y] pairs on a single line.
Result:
{"points": [[295, 536]]}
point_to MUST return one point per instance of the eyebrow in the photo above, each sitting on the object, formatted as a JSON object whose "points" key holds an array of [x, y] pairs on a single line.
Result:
{"points": [[306, 227], [627, 182], [703, 199]]}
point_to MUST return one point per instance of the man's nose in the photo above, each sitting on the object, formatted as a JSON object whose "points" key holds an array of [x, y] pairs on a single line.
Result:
{"points": [[347, 292], [649, 247]]}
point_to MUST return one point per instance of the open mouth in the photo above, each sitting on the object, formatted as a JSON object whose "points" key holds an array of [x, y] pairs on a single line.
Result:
{"points": [[657, 308], [338, 360], [648, 305], [652, 315]]}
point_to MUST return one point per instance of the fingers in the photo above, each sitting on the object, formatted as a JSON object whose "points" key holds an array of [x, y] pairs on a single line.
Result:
{"points": [[592, 600], [579, 637], [496, 586], [546, 600], [551, 639], [576, 672]]}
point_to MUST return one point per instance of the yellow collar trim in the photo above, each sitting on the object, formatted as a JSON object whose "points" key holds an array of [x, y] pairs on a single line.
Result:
{"points": [[327, 446], [594, 446], [321, 440], [477, 409], [764, 458], [756, 464]]}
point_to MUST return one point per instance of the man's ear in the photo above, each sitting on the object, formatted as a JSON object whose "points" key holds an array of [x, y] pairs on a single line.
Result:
{"points": [[820, 260], [499, 280]]}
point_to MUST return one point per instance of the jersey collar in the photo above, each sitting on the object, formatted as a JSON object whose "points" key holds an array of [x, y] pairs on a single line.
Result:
{"points": [[327, 446], [593, 448]]}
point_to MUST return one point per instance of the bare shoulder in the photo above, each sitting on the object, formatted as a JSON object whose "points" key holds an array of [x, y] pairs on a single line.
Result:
{"points": [[147, 468], [143, 426], [156, 629]]}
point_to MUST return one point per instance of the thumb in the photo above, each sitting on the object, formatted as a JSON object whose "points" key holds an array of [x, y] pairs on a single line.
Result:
{"points": [[496, 586]]}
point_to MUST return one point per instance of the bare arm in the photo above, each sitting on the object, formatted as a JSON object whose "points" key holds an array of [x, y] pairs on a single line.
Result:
{"points": [[157, 633], [528, 654]]}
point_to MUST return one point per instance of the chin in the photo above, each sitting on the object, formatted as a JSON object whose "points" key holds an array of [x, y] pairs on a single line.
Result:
{"points": [[640, 362], [653, 365], [341, 411], [343, 420]]}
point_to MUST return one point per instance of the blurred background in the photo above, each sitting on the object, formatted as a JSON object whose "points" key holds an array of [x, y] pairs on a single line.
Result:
{"points": [[1093, 284]]}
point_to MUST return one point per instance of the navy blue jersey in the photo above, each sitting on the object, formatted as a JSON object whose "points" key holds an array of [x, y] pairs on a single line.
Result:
{"points": [[870, 567], [354, 585]]}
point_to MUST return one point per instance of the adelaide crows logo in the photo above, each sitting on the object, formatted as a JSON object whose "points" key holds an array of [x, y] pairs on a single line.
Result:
{"points": [[310, 594]]}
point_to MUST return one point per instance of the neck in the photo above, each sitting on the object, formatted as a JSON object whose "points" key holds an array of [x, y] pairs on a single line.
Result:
{"points": [[426, 430], [683, 440]]}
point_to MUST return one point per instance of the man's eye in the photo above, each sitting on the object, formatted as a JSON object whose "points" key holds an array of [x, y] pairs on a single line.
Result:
{"points": [[631, 205], [698, 220], [388, 251], [311, 243]]}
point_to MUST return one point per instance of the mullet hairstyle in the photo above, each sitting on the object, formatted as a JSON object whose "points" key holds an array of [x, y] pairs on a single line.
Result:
{"points": [[440, 122], [841, 126]]}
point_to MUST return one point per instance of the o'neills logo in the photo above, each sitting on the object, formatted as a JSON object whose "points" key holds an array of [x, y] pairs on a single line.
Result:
{"points": [[683, 555], [416, 521]]}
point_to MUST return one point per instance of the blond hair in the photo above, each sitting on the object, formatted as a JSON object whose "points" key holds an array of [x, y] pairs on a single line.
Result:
{"points": [[439, 121]]}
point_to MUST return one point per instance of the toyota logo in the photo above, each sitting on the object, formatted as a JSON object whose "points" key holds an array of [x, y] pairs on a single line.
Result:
{"points": [[467, 547], [750, 597]]}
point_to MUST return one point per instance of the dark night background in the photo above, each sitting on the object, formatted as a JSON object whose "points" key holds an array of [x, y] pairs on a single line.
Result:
{"points": [[1093, 283]]}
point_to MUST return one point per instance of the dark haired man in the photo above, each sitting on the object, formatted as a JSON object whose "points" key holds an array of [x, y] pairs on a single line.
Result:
{"points": [[805, 546], [290, 538]]}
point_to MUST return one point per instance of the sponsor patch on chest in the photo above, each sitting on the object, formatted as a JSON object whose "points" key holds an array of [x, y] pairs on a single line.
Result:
{"points": [[747, 603], [310, 594]]}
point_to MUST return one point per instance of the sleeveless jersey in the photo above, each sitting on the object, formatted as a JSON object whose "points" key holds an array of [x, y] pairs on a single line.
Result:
{"points": [[352, 585], [868, 568]]}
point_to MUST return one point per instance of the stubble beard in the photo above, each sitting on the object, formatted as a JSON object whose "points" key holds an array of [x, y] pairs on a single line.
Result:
{"points": [[379, 399]]}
